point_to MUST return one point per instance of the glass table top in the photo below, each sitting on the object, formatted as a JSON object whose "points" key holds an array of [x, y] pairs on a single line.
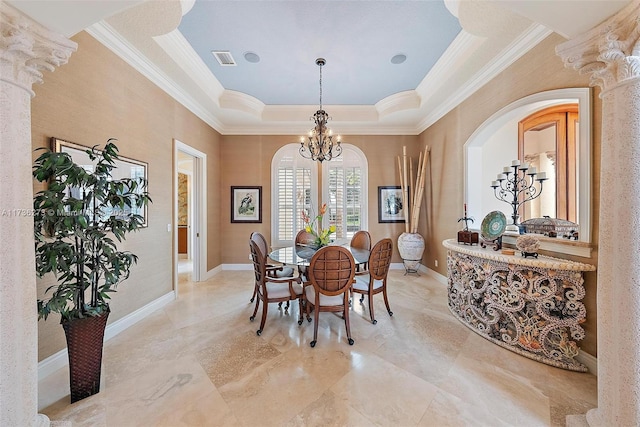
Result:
{"points": [[301, 255]]}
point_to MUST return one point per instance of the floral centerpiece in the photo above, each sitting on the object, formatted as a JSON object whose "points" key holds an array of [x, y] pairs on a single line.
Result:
{"points": [[314, 227]]}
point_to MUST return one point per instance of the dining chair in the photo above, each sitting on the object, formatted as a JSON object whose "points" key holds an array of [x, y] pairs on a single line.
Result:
{"points": [[304, 238], [361, 240], [374, 281], [271, 289], [331, 273], [273, 270]]}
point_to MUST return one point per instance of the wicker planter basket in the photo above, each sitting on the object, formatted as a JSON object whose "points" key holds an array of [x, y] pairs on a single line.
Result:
{"points": [[85, 339]]}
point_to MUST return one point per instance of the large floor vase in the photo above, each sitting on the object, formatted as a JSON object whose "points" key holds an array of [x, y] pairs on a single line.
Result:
{"points": [[85, 340], [411, 248]]}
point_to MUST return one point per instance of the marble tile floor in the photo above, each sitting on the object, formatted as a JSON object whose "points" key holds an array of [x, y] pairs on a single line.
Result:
{"points": [[199, 362]]}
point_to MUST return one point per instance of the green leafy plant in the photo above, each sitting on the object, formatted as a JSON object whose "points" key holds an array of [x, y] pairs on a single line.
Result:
{"points": [[314, 226], [78, 221]]}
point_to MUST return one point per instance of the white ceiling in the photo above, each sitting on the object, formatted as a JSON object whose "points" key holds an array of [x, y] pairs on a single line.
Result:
{"points": [[171, 42]]}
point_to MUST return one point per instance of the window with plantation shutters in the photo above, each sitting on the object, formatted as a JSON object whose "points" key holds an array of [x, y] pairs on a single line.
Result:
{"points": [[295, 188], [346, 191]]}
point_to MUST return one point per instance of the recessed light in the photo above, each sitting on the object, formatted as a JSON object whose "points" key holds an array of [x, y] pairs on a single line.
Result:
{"points": [[251, 57], [399, 58]]}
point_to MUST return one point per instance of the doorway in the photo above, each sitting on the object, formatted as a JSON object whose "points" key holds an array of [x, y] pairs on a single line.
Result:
{"points": [[185, 214], [190, 252]]}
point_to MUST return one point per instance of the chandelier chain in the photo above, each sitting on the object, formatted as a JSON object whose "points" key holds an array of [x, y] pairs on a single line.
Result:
{"points": [[319, 146], [321, 86]]}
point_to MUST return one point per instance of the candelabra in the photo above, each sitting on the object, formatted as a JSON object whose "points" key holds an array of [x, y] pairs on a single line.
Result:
{"points": [[518, 186]]}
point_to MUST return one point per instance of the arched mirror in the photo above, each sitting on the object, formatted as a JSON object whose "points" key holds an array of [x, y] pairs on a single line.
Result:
{"points": [[549, 129]]}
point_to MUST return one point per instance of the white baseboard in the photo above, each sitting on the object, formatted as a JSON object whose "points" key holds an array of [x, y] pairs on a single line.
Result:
{"points": [[212, 272], [237, 267], [61, 359], [434, 274], [396, 266]]}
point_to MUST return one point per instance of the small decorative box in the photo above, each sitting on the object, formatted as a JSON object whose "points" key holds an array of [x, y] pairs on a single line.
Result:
{"points": [[468, 237]]}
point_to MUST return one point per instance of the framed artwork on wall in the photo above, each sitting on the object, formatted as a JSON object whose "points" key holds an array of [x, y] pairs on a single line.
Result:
{"points": [[246, 204], [124, 168], [390, 207]]}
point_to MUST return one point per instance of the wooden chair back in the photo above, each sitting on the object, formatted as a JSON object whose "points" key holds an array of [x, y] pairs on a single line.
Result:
{"points": [[331, 270], [285, 289], [304, 238], [257, 246], [261, 241], [361, 240], [380, 259]]}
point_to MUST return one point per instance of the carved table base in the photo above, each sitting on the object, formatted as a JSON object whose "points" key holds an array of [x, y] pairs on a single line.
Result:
{"points": [[532, 310]]}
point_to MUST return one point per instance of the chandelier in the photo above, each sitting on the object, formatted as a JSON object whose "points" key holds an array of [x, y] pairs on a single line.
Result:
{"points": [[319, 144]]}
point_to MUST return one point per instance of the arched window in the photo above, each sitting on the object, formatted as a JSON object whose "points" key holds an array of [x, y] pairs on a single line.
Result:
{"points": [[294, 188], [346, 192]]}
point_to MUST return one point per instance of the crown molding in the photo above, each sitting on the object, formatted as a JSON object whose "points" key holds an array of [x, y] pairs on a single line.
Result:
{"points": [[407, 100], [287, 120], [239, 101], [110, 38], [295, 130], [521, 45], [177, 47]]}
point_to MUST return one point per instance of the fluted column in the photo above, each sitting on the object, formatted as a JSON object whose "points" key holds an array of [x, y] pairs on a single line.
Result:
{"points": [[25, 50], [610, 53]]}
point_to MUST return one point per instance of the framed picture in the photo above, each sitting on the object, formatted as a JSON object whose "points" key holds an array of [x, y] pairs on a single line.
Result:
{"points": [[125, 168], [390, 207], [246, 204]]}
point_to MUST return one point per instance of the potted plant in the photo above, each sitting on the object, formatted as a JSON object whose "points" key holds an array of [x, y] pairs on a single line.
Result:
{"points": [[79, 219]]}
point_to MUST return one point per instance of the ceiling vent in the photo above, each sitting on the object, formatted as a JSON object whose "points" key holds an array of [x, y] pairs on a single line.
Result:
{"points": [[224, 58]]}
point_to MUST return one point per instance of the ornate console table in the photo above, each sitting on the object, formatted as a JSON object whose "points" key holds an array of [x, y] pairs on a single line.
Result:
{"points": [[529, 306]]}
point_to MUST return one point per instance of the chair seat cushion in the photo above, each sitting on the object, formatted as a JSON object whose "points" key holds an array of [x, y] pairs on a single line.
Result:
{"points": [[362, 283], [281, 289], [325, 300], [286, 272]]}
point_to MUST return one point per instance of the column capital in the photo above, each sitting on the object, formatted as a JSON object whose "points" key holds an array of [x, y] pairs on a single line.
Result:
{"points": [[610, 52], [27, 49]]}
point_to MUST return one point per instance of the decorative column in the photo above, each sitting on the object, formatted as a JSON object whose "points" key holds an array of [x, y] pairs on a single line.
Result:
{"points": [[26, 48], [610, 53]]}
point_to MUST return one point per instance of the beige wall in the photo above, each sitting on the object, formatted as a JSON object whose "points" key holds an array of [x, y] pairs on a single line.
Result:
{"points": [[247, 161], [97, 96], [537, 71]]}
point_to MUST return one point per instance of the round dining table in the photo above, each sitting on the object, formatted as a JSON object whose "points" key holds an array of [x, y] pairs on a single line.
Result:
{"points": [[301, 255]]}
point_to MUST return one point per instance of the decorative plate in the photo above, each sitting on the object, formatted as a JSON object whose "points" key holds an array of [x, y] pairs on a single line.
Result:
{"points": [[493, 225]]}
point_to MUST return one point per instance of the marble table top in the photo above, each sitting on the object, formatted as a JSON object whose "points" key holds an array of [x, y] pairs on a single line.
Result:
{"points": [[542, 261]]}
